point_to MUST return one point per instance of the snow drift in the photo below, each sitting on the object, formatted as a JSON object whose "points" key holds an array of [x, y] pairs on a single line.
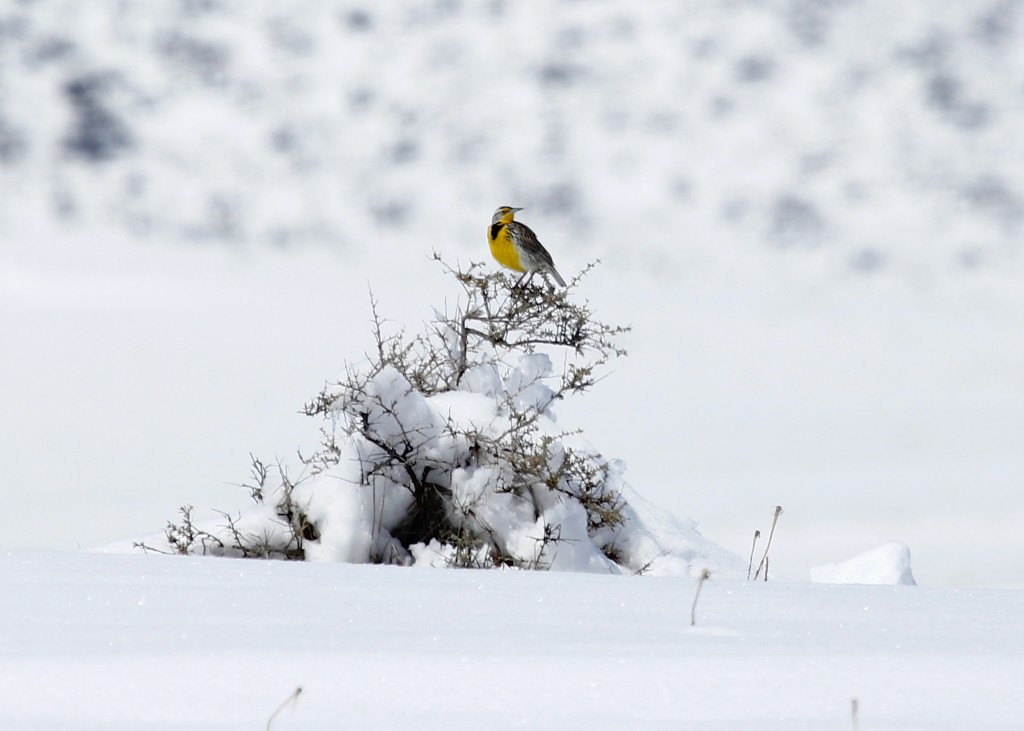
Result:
{"points": [[888, 564]]}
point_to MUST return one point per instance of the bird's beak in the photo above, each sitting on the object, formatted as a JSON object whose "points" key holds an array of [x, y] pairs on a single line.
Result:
{"points": [[516, 209]]}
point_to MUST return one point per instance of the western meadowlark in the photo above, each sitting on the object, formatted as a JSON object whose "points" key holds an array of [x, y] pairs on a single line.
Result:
{"points": [[514, 245]]}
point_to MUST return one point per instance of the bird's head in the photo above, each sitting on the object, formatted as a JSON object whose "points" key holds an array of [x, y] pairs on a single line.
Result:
{"points": [[505, 214]]}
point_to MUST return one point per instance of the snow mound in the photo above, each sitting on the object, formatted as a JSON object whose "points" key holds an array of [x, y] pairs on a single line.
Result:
{"points": [[889, 564]]}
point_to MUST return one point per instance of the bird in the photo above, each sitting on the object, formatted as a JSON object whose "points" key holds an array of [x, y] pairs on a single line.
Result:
{"points": [[515, 245]]}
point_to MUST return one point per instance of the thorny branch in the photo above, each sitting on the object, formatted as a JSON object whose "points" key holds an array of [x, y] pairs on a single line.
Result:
{"points": [[496, 322]]}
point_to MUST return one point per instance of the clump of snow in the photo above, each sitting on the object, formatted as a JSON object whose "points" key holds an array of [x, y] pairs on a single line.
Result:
{"points": [[358, 516], [889, 564]]}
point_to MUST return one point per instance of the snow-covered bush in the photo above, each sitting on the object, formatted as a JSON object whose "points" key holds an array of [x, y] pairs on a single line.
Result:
{"points": [[442, 449]]}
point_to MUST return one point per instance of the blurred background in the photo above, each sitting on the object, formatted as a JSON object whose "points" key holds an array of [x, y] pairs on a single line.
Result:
{"points": [[810, 211]]}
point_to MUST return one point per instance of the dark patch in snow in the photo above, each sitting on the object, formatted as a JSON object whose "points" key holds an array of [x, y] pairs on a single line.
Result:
{"points": [[681, 189], [202, 59], [561, 199], [722, 106], [97, 134], [623, 27], [945, 94], [971, 258], [994, 196], [360, 99], [404, 151], [47, 50], [289, 38], [735, 210], [196, 8], [13, 144], [135, 185], [358, 20], [868, 260], [63, 204], [13, 28], [755, 68], [809, 20], [816, 162], [796, 221], [704, 48], [570, 37], [998, 24], [283, 139], [391, 213], [560, 73], [220, 220], [931, 53]]}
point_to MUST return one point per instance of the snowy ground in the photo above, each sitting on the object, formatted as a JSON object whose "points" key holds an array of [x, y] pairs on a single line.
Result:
{"points": [[149, 642]]}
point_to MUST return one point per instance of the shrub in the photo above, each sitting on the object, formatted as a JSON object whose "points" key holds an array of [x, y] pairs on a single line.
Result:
{"points": [[442, 449]]}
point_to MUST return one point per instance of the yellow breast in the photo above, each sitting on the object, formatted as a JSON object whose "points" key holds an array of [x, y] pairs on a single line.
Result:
{"points": [[502, 247]]}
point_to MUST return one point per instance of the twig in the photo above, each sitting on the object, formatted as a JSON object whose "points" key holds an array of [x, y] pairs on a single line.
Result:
{"points": [[704, 576], [750, 563], [647, 566], [290, 699], [768, 545], [854, 707]]}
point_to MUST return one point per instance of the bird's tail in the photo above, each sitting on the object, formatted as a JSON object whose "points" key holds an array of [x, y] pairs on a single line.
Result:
{"points": [[557, 276]]}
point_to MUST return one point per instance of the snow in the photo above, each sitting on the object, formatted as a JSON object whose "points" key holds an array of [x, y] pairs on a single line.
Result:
{"points": [[887, 564], [810, 212], [149, 642]]}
